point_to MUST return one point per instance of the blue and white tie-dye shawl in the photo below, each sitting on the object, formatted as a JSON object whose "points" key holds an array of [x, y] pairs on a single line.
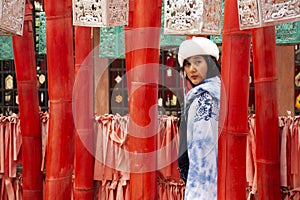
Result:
{"points": [[202, 139]]}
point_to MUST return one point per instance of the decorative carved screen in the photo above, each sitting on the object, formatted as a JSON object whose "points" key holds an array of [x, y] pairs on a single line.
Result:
{"points": [[100, 13], [258, 13], [12, 17], [195, 17], [6, 52], [286, 33]]}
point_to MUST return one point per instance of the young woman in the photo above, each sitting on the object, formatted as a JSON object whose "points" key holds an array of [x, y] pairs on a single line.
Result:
{"points": [[199, 124]]}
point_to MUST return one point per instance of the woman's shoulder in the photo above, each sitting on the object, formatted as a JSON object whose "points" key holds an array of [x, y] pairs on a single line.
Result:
{"points": [[206, 106]]}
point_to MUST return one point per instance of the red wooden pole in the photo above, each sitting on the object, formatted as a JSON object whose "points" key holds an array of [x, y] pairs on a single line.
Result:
{"points": [[143, 95], [25, 64], [266, 108], [128, 43], [83, 114], [233, 122], [61, 137]]}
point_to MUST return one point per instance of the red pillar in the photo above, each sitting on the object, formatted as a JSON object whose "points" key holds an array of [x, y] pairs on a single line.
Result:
{"points": [[142, 53], [266, 108], [61, 137], [25, 64], [83, 114], [128, 43], [233, 122]]}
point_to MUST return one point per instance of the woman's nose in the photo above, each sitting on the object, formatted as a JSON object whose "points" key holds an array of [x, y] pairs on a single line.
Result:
{"points": [[192, 67]]}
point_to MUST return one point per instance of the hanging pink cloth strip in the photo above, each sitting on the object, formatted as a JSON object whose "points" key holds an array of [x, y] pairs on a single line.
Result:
{"points": [[250, 157], [3, 141], [17, 137], [165, 192], [295, 193], [98, 166], [288, 154], [104, 149], [251, 169], [297, 182], [168, 144], [174, 148], [160, 187], [13, 146], [161, 144], [18, 189], [107, 190], [120, 192], [294, 153], [44, 117], [101, 192], [2, 188], [168, 141], [118, 137], [108, 155], [172, 190], [123, 163], [112, 188], [2, 144], [249, 162], [283, 151], [8, 150], [9, 189]]}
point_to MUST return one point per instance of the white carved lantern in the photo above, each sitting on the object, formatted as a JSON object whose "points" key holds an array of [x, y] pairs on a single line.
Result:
{"points": [[258, 13], [12, 17], [100, 13], [192, 17]]}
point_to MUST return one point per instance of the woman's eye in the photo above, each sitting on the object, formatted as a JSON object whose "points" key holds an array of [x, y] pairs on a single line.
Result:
{"points": [[187, 64]]}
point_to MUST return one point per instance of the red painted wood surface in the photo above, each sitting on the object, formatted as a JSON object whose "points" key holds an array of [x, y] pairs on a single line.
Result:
{"points": [[266, 109], [61, 137], [83, 114], [233, 123], [142, 58], [25, 65]]}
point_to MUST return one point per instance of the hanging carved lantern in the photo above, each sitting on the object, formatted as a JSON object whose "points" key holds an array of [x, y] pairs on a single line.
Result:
{"points": [[12, 17], [258, 13], [194, 17], [100, 13]]}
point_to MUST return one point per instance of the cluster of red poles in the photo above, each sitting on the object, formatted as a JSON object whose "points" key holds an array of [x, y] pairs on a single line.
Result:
{"points": [[65, 58]]}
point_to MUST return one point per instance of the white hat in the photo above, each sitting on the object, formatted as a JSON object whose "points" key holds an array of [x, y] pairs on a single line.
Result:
{"points": [[197, 46]]}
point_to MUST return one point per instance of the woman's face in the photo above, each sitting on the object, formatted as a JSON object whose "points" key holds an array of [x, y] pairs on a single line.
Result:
{"points": [[196, 69]]}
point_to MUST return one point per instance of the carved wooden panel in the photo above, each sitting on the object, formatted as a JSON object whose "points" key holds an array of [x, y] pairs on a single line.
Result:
{"points": [[100, 13], [258, 13], [193, 17], [12, 17]]}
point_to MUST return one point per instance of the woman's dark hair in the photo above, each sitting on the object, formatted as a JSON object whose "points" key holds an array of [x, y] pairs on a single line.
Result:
{"points": [[213, 67]]}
